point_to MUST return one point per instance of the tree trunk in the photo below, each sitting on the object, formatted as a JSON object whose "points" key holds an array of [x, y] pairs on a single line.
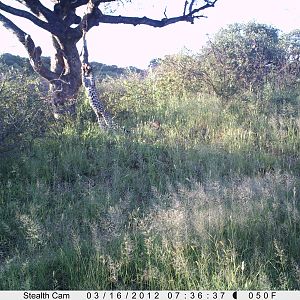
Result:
{"points": [[67, 65]]}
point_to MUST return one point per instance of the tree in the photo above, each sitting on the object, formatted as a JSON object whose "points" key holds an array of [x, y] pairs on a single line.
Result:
{"points": [[242, 57], [66, 27], [290, 42]]}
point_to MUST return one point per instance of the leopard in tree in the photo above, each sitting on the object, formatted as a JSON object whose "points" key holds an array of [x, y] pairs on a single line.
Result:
{"points": [[103, 116]]}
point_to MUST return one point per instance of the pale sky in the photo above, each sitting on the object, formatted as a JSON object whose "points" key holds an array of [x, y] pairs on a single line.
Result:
{"points": [[126, 45]]}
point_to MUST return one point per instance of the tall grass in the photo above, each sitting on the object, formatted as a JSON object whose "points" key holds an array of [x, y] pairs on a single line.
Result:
{"points": [[200, 195]]}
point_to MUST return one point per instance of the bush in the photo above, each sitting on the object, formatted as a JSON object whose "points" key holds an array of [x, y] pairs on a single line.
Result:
{"points": [[23, 110], [242, 59]]}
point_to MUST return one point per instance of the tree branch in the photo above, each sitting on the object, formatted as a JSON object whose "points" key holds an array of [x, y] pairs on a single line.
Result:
{"points": [[191, 5], [96, 16], [33, 51], [78, 3], [24, 14], [38, 9], [207, 5], [144, 20], [185, 6]]}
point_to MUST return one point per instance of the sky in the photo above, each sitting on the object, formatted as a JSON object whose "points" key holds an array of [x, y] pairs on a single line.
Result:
{"points": [[128, 45]]}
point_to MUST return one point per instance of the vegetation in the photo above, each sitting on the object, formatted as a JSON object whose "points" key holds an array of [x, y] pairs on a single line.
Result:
{"points": [[67, 22], [21, 64], [202, 194]]}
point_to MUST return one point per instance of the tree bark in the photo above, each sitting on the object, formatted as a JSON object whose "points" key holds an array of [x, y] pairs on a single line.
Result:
{"points": [[67, 65]]}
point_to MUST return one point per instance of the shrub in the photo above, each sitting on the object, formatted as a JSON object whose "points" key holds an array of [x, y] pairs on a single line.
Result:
{"points": [[23, 110]]}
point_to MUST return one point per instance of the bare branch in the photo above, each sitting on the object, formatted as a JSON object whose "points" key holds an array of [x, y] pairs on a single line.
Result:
{"points": [[78, 3], [33, 51], [165, 13], [191, 6], [38, 9], [57, 30], [145, 21], [185, 6], [96, 16], [207, 5]]}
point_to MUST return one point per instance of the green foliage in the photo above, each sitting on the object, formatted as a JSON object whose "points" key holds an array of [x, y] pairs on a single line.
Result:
{"points": [[244, 58], [102, 71], [291, 43], [16, 62], [23, 109], [136, 96], [176, 75], [21, 64]]}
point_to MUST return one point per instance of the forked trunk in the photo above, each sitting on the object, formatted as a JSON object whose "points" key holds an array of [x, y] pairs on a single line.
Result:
{"points": [[67, 65]]}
